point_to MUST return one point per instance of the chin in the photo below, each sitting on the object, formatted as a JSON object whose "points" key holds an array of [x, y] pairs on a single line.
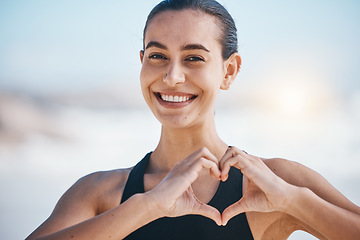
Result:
{"points": [[175, 121]]}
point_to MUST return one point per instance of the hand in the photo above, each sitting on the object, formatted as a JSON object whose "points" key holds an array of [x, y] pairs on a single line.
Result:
{"points": [[174, 195], [264, 192]]}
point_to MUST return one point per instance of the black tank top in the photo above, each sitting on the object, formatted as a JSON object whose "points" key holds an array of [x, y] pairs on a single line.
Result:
{"points": [[192, 226]]}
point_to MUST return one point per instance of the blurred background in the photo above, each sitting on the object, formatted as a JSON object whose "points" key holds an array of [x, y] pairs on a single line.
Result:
{"points": [[70, 101]]}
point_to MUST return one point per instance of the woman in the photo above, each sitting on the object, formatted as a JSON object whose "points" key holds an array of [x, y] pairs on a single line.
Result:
{"points": [[193, 186]]}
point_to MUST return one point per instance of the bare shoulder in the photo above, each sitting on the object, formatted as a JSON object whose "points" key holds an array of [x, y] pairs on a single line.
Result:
{"points": [[94, 193], [104, 188], [90, 196], [98, 180]]}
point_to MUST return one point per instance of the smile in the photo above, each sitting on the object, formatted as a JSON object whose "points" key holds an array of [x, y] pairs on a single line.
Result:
{"points": [[175, 98], [171, 98]]}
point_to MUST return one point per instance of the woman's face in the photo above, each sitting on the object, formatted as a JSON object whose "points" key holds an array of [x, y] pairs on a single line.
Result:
{"points": [[182, 67]]}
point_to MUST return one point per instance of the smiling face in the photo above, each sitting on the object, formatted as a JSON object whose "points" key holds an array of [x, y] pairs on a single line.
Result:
{"points": [[183, 69]]}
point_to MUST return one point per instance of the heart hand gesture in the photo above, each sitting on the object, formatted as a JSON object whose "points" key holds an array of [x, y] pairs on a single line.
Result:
{"points": [[174, 195], [264, 192]]}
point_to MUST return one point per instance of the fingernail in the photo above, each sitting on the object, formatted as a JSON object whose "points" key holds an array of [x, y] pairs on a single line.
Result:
{"points": [[222, 178]]}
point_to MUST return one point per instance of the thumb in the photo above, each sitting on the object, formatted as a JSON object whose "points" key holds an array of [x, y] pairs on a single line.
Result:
{"points": [[207, 211], [233, 210]]}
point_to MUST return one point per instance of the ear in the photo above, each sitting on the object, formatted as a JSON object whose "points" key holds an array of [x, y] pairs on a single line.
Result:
{"points": [[232, 67], [142, 56]]}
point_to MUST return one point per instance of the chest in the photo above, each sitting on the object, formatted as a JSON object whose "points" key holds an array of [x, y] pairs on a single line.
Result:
{"points": [[204, 188]]}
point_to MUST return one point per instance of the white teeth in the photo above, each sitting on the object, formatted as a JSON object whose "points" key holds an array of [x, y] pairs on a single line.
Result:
{"points": [[171, 98]]}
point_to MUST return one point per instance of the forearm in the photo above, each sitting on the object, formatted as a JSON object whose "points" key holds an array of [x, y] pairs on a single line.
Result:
{"points": [[331, 221], [115, 224]]}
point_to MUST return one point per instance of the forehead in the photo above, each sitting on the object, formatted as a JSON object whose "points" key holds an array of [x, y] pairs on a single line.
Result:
{"points": [[184, 27]]}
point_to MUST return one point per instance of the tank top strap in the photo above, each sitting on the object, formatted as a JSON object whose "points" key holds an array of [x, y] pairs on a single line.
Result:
{"points": [[135, 182]]}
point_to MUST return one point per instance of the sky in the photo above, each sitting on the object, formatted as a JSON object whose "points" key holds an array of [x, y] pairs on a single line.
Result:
{"points": [[60, 46]]}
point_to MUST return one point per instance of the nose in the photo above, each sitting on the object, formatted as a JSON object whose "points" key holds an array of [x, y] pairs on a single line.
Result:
{"points": [[174, 75]]}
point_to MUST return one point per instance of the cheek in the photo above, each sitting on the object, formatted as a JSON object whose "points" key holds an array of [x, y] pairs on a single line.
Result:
{"points": [[146, 76], [145, 82], [209, 79], [149, 73]]}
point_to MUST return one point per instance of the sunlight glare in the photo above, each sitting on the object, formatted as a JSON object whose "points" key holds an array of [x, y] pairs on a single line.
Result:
{"points": [[293, 100]]}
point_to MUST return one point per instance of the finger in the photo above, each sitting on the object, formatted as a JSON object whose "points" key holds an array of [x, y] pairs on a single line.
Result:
{"points": [[185, 172], [212, 166], [233, 210], [204, 152], [226, 168], [230, 153], [214, 169], [239, 159], [233, 160], [209, 155], [202, 158], [206, 156]]}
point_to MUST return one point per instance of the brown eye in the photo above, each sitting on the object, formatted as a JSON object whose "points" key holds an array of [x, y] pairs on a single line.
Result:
{"points": [[157, 56], [195, 59]]}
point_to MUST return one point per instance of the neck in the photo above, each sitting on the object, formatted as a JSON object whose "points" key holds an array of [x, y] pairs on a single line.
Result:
{"points": [[177, 144]]}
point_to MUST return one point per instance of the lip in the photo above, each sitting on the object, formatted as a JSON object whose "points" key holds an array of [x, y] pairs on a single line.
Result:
{"points": [[179, 95]]}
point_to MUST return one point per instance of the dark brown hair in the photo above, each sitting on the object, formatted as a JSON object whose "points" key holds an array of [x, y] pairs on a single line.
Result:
{"points": [[228, 39]]}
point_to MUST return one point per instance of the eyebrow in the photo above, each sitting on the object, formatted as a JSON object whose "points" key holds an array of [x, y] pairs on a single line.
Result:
{"points": [[187, 47], [155, 44], [195, 47]]}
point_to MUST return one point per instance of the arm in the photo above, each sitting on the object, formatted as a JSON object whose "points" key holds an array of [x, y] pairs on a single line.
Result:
{"points": [[116, 223], [313, 185], [75, 214], [331, 221], [300, 192]]}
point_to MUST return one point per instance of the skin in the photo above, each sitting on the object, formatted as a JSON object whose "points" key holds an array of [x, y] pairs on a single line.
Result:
{"points": [[182, 57]]}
